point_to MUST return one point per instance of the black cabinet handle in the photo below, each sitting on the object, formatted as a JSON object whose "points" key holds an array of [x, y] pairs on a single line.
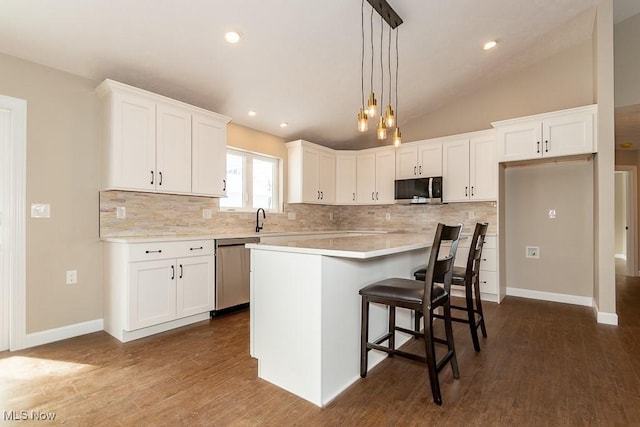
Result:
{"points": [[538, 147], [546, 146], [420, 170], [322, 195], [354, 197], [173, 272], [466, 191], [160, 173], [224, 185], [373, 195], [159, 251], [151, 178], [180, 271], [376, 195], [318, 196], [414, 170], [472, 191], [196, 249]]}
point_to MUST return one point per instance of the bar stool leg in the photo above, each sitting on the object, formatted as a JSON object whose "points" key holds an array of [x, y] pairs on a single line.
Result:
{"points": [[431, 359], [471, 314], [448, 327], [392, 328], [479, 308], [364, 337]]}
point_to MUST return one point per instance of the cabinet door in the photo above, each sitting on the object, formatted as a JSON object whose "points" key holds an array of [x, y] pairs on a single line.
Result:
{"points": [[568, 134], [327, 177], [346, 178], [173, 149], [430, 159], [366, 178], [195, 285], [152, 293], [483, 169], [455, 171], [519, 141], [407, 162], [310, 173], [385, 176], [132, 159], [209, 146]]}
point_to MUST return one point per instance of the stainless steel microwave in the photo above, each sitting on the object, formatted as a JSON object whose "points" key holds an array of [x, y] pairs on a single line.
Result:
{"points": [[419, 190]]}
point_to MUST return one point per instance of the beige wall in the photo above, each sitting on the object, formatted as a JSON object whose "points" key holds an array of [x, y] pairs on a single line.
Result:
{"points": [[627, 62], [561, 81], [566, 243], [63, 169]]}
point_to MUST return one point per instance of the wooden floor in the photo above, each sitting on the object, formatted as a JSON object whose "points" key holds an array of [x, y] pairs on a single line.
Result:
{"points": [[542, 364]]}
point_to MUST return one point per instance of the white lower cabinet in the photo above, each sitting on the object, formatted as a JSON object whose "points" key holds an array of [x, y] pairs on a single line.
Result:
{"points": [[156, 286], [488, 268]]}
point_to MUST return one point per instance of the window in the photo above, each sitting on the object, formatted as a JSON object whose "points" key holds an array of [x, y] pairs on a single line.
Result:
{"points": [[253, 181]]}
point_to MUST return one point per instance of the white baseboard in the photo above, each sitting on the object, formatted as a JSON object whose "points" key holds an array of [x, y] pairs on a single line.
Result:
{"points": [[604, 317], [621, 256], [550, 296], [63, 333]]}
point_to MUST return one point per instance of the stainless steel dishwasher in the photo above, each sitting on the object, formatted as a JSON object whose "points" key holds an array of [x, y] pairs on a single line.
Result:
{"points": [[232, 272]]}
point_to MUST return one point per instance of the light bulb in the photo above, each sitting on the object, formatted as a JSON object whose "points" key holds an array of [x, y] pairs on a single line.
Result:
{"points": [[382, 129], [390, 118], [397, 137], [372, 106], [363, 123]]}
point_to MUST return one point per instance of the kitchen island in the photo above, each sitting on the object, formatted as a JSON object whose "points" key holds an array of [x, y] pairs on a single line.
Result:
{"points": [[305, 307]]}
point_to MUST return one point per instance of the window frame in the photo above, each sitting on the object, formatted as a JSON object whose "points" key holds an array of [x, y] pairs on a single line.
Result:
{"points": [[247, 181]]}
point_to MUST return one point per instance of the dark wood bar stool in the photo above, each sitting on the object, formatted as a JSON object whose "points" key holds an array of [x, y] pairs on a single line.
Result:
{"points": [[469, 277], [423, 297]]}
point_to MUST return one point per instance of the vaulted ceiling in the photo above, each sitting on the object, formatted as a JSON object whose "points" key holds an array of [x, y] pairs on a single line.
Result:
{"points": [[298, 61]]}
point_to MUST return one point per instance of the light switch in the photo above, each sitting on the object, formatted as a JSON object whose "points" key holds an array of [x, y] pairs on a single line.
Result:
{"points": [[207, 213], [121, 212], [552, 214], [40, 210]]}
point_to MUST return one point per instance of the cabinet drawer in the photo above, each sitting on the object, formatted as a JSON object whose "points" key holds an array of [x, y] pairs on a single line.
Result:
{"points": [[488, 262], [488, 282], [164, 250]]}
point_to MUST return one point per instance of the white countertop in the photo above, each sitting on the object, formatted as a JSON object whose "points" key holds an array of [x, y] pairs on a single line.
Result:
{"points": [[362, 247], [177, 238]]}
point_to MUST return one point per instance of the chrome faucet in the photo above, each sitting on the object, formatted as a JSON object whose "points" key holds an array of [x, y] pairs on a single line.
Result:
{"points": [[264, 216]]}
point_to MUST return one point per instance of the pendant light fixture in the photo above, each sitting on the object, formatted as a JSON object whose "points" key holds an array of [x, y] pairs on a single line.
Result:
{"points": [[388, 118]]}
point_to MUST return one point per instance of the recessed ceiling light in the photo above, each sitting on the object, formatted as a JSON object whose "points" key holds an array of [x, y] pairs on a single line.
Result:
{"points": [[251, 113], [284, 124], [232, 36], [490, 45]]}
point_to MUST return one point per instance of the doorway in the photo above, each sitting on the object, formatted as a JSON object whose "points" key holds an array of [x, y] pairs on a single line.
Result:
{"points": [[625, 220], [13, 159]]}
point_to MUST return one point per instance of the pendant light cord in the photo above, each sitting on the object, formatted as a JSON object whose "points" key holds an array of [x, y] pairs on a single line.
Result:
{"points": [[381, 67], [389, 62], [397, 67], [362, 58], [371, 21]]}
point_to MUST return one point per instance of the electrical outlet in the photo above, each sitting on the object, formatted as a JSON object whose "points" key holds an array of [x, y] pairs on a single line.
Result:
{"points": [[387, 216], [207, 213], [552, 214], [72, 277], [532, 252], [291, 215], [40, 210], [121, 212], [330, 216]]}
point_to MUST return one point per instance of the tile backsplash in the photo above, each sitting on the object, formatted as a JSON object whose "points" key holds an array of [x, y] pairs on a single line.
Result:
{"points": [[150, 214]]}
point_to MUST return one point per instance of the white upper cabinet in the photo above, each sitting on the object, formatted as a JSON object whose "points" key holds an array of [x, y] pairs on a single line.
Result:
{"points": [[173, 149], [346, 177], [153, 143], [209, 149], [419, 160], [312, 173], [375, 180], [470, 168], [561, 133]]}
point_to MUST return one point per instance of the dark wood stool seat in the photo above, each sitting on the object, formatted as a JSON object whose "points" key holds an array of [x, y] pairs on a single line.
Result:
{"points": [[469, 277], [422, 297]]}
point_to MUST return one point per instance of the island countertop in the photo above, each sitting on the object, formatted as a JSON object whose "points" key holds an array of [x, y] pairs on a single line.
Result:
{"points": [[361, 247]]}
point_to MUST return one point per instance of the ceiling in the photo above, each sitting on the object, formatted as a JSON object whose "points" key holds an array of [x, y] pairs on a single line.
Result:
{"points": [[298, 61]]}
